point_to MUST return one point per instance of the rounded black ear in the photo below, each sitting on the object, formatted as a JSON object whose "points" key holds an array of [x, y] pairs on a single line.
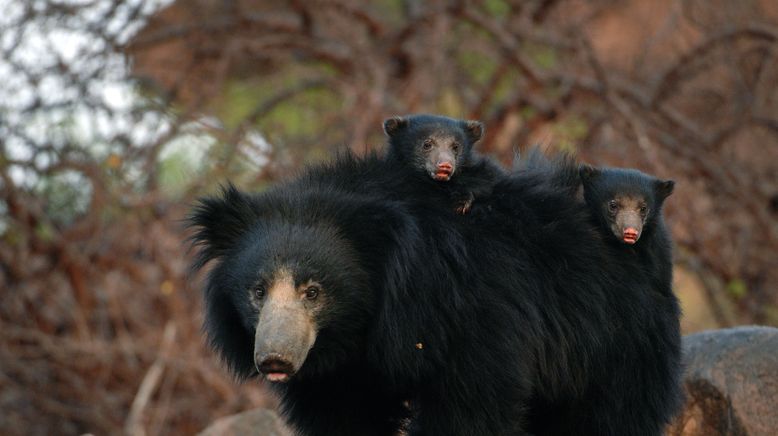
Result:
{"points": [[475, 130], [394, 124], [588, 172], [664, 188], [218, 222]]}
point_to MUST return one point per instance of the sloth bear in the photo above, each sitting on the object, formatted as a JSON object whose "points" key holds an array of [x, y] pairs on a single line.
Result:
{"points": [[627, 205], [366, 309], [437, 154], [626, 200], [646, 276], [294, 295]]}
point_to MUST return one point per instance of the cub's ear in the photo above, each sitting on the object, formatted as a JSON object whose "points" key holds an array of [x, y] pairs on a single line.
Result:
{"points": [[219, 222], [664, 188], [588, 172], [394, 125], [474, 129]]}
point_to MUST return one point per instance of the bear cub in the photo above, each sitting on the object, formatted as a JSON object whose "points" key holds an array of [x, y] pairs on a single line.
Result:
{"points": [[439, 150], [627, 205], [625, 201]]}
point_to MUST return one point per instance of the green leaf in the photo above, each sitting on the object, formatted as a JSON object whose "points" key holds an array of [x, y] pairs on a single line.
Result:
{"points": [[45, 232], [737, 288], [497, 8]]}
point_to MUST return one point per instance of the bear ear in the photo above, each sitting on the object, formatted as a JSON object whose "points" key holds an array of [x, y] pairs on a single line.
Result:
{"points": [[664, 188], [394, 124], [475, 130], [219, 222], [588, 172]]}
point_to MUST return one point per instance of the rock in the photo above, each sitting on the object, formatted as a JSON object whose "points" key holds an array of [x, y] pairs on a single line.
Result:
{"points": [[731, 383], [259, 422]]}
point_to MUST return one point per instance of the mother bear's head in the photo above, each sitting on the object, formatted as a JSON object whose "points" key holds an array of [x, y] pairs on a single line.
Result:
{"points": [[297, 279]]}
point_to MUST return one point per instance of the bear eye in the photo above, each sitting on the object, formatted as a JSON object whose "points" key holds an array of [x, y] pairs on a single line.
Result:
{"points": [[643, 210], [259, 292], [427, 144], [455, 146], [613, 206], [311, 293]]}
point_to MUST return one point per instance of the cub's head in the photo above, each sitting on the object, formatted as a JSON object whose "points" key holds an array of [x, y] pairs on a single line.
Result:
{"points": [[290, 293], [626, 201], [434, 145]]}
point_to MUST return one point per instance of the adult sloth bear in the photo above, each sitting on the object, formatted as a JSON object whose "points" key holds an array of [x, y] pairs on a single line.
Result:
{"points": [[294, 294], [354, 298]]}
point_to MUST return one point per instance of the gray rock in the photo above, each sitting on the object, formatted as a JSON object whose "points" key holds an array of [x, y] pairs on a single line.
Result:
{"points": [[731, 383], [257, 422]]}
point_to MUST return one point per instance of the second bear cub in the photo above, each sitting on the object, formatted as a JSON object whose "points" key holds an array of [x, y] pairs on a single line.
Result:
{"points": [[627, 205], [626, 202]]}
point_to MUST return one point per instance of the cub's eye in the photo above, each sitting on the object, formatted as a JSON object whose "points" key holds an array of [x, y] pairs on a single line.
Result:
{"points": [[427, 144], [643, 210], [311, 293], [455, 146], [259, 292], [613, 206]]}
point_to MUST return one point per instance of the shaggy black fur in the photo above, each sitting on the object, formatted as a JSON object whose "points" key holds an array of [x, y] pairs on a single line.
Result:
{"points": [[516, 318], [647, 346], [648, 261]]}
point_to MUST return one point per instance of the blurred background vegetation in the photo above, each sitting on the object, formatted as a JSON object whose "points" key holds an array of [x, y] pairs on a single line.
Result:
{"points": [[116, 114]]}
